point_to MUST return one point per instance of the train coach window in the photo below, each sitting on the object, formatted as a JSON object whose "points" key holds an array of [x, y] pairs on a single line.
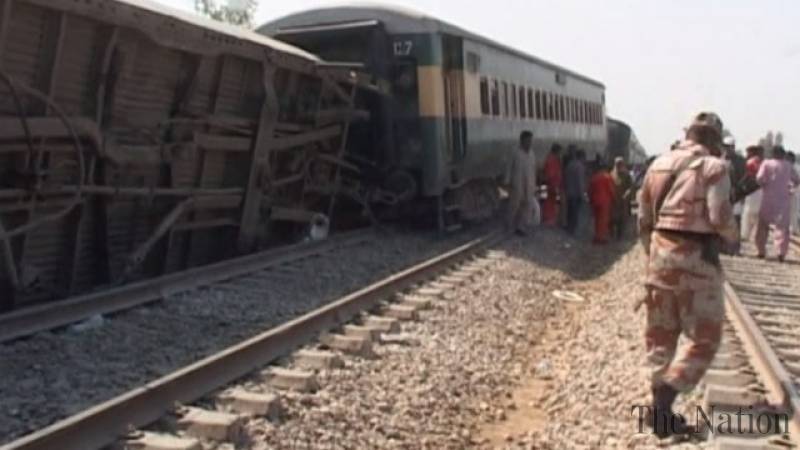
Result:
{"points": [[540, 104], [513, 100], [505, 99], [568, 108], [485, 96], [560, 108], [554, 116], [531, 105], [575, 106], [556, 107], [495, 98], [573, 110], [546, 106], [582, 111], [523, 110]]}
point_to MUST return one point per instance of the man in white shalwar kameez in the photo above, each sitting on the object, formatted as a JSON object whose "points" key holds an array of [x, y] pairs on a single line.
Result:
{"points": [[523, 205]]}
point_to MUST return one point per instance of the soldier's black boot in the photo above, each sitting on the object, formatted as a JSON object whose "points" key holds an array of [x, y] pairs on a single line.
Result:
{"points": [[664, 422]]}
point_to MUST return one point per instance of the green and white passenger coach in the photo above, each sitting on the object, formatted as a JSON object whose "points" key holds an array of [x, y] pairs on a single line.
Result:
{"points": [[458, 100]]}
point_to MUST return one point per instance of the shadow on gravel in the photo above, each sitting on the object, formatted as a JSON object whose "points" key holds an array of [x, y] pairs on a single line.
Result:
{"points": [[575, 256]]}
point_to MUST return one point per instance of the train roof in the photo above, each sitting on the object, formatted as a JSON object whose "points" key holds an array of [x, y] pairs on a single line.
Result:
{"points": [[400, 20], [617, 122], [219, 27]]}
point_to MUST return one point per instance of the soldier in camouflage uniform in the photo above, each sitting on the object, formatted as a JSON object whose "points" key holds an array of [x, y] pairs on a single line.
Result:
{"points": [[685, 210]]}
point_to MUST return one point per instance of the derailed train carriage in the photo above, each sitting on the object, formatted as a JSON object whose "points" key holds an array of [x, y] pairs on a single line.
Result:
{"points": [[136, 140], [458, 103]]}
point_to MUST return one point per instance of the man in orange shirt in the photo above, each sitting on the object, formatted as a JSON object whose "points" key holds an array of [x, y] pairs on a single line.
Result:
{"points": [[601, 196], [552, 177]]}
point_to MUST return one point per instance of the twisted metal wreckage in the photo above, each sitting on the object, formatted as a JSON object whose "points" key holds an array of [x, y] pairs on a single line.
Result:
{"points": [[136, 141]]}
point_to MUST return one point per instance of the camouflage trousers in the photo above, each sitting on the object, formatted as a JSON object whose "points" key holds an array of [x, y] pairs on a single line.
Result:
{"points": [[698, 314]]}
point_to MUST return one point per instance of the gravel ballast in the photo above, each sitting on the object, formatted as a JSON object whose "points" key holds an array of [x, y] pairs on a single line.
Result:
{"points": [[55, 374], [454, 376], [599, 374]]}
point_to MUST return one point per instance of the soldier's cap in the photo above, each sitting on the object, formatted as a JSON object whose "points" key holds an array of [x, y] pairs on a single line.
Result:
{"points": [[729, 141], [707, 120], [619, 160]]}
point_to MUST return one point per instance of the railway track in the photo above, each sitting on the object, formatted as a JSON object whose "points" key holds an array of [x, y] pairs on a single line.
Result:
{"points": [[199, 384], [28, 321], [758, 367]]}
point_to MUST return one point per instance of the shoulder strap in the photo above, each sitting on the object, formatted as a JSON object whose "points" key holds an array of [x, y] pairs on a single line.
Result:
{"points": [[671, 182]]}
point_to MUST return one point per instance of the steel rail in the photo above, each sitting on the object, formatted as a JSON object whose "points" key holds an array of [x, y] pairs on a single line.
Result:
{"points": [[105, 423], [28, 321], [781, 389]]}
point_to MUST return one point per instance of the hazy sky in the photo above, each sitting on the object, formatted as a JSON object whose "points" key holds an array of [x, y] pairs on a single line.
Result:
{"points": [[660, 61]]}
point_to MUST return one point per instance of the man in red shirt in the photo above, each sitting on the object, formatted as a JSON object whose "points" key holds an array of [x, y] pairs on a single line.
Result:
{"points": [[553, 178], [601, 197]]}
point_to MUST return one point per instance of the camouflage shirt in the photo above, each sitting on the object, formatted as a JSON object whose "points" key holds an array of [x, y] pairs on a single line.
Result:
{"points": [[699, 201], [697, 205]]}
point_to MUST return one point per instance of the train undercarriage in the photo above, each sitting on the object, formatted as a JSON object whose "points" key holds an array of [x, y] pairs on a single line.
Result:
{"points": [[135, 143]]}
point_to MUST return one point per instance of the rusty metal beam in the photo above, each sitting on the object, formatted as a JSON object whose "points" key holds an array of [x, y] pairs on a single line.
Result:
{"points": [[213, 118], [137, 257], [336, 89], [260, 165], [103, 75], [107, 40], [203, 224], [340, 154], [297, 140]]}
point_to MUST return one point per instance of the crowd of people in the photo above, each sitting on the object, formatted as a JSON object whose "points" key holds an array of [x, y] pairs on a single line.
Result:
{"points": [[769, 188], [570, 183]]}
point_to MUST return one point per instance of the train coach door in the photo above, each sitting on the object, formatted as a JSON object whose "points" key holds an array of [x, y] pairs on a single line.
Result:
{"points": [[454, 103]]}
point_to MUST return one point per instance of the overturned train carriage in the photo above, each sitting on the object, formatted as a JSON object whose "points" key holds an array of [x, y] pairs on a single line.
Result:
{"points": [[459, 100], [136, 141]]}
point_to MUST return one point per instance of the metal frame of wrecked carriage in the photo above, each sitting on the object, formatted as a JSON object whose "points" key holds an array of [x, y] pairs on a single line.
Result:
{"points": [[136, 141]]}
